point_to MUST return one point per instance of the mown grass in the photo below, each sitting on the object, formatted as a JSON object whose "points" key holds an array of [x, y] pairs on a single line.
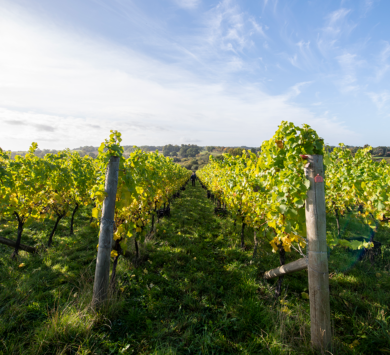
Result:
{"points": [[198, 293]]}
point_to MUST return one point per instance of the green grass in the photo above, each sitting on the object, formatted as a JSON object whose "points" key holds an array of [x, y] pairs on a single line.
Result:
{"points": [[198, 293]]}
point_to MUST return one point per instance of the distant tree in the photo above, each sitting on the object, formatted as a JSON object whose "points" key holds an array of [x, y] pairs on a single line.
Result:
{"points": [[234, 151], [383, 151], [193, 151], [210, 148], [189, 150], [169, 148], [204, 158]]}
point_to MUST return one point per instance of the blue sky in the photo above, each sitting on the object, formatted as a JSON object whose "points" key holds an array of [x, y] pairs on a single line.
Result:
{"points": [[192, 71]]}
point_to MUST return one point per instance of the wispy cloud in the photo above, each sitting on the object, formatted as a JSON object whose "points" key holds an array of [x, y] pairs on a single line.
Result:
{"points": [[294, 60], [230, 28], [367, 6], [336, 26], [383, 65], [336, 22], [380, 99], [306, 54], [304, 58], [297, 89], [349, 65]]}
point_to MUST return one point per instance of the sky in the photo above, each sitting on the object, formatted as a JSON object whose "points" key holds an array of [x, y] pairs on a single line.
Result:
{"points": [[192, 71]]}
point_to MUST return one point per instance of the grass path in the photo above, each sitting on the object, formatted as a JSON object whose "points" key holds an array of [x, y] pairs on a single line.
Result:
{"points": [[203, 294]]}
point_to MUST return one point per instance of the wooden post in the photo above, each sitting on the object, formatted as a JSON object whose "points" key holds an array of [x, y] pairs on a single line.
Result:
{"points": [[297, 265], [317, 254], [12, 244], [102, 272]]}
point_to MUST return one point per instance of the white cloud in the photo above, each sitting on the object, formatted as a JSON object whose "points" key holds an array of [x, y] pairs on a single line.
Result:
{"points": [[306, 54], [336, 26], [231, 29], [258, 27], [335, 21], [367, 6], [65, 89], [384, 65], [379, 99], [349, 65], [296, 89], [294, 60]]}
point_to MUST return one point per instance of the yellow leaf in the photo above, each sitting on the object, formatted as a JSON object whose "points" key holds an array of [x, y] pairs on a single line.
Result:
{"points": [[114, 253], [21, 265], [279, 144], [139, 190], [101, 195], [95, 213], [355, 342], [272, 224]]}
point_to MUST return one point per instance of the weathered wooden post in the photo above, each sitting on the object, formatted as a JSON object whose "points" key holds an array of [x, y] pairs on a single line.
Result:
{"points": [[317, 254], [102, 272], [297, 265]]}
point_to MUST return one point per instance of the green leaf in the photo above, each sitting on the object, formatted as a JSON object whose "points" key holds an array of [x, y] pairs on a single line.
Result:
{"points": [[307, 183], [283, 209], [355, 244], [380, 206], [299, 203], [123, 245]]}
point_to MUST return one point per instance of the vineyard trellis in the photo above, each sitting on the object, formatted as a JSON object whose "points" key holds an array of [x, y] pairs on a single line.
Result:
{"points": [[283, 193]]}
